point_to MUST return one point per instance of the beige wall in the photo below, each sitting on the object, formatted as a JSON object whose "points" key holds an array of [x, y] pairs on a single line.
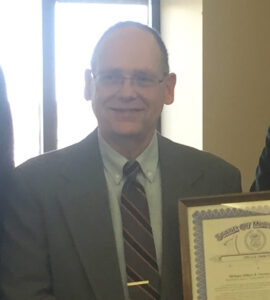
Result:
{"points": [[236, 76]]}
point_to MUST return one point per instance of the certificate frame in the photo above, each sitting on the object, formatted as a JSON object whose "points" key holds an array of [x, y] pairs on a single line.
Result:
{"points": [[186, 207]]}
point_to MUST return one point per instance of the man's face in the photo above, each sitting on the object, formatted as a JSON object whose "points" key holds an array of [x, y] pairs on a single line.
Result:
{"points": [[129, 88]]}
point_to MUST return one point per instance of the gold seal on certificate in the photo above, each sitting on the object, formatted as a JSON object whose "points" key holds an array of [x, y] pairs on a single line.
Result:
{"points": [[225, 247]]}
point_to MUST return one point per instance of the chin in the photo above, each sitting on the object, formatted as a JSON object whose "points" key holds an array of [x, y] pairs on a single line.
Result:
{"points": [[127, 133], [127, 130]]}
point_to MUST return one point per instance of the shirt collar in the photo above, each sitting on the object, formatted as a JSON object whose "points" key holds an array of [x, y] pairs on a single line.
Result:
{"points": [[114, 161]]}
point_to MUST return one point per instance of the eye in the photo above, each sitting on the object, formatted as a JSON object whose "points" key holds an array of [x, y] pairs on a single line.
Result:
{"points": [[144, 79], [109, 78]]}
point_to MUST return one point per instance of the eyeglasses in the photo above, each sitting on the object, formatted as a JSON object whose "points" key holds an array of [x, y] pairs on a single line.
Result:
{"points": [[113, 81]]}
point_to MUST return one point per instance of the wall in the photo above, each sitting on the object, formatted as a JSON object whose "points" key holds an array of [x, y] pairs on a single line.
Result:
{"points": [[236, 77]]}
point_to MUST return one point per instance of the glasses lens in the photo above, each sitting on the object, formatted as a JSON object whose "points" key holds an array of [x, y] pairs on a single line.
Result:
{"points": [[111, 82]]}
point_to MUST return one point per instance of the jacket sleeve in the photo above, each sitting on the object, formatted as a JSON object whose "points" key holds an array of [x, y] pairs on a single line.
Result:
{"points": [[262, 177], [25, 273]]}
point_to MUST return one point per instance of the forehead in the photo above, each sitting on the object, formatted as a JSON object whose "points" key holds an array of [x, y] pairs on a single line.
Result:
{"points": [[129, 48]]}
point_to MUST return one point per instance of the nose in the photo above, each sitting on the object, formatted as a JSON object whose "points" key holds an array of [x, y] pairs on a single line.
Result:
{"points": [[127, 88]]}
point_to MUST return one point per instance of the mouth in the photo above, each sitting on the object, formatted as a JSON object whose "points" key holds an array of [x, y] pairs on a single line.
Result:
{"points": [[131, 114], [126, 110]]}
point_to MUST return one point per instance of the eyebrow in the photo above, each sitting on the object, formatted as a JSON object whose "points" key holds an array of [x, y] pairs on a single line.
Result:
{"points": [[136, 71], [109, 71]]}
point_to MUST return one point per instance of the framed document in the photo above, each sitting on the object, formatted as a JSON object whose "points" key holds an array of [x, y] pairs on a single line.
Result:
{"points": [[225, 247]]}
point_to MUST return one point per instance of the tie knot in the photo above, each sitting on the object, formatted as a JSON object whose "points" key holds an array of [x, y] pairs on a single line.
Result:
{"points": [[131, 169]]}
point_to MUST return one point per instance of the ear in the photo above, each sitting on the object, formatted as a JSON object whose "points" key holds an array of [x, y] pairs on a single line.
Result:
{"points": [[88, 88], [170, 85]]}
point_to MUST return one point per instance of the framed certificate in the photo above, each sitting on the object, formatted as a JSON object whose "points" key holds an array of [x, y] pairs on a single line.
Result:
{"points": [[225, 247]]}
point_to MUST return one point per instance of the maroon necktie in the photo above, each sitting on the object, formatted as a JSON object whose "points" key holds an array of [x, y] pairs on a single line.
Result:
{"points": [[139, 247]]}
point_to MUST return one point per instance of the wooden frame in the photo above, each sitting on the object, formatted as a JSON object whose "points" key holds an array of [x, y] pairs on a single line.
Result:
{"points": [[203, 210]]}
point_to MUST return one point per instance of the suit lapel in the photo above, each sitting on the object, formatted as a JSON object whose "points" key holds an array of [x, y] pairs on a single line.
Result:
{"points": [[87, 212], [176, 180]]}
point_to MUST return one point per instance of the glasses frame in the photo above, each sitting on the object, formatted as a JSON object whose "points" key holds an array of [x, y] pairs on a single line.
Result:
{"points": [[136, 84]]}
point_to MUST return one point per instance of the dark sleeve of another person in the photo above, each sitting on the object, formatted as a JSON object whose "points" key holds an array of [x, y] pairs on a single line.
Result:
{"points": [[6, 143], [262, 178]]}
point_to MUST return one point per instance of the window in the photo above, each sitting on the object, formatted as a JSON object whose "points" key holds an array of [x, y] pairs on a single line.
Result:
{"points": [[21, 60], [45, 47]]}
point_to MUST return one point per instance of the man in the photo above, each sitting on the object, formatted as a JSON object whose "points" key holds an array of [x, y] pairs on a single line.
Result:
{"points": [[63, 231], [262, 178]]}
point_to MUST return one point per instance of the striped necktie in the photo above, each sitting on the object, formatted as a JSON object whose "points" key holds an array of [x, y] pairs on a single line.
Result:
{"points": [[140, 254]]}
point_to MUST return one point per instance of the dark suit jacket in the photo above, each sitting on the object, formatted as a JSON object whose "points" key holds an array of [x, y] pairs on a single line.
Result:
{"points": [[262, 178], [59, 241]]}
